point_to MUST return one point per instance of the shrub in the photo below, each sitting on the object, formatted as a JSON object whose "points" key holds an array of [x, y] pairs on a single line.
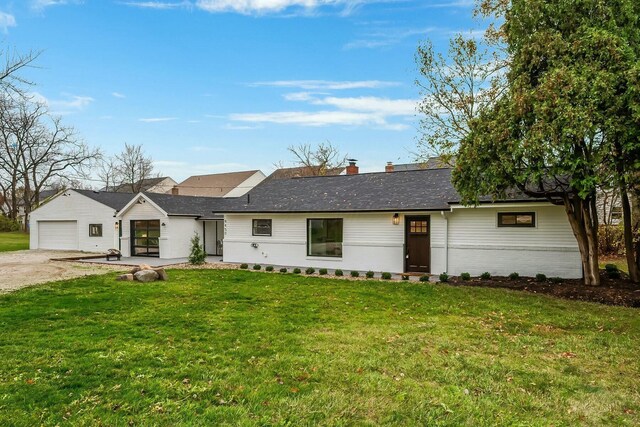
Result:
{"points": [[485, 276], [612, 271], [296, 271], [514, 276], [7, 224], [386, 276], [269, 268], [444, 277], [370, 274], [310, 270], [465, 276], [338, 272], [283, 270], [424, 278], [197, 256], [322, 271], [405, 277], [556, 280], [355, 274], [257, 267], [244, 266], [541, 277], [611, 239]]}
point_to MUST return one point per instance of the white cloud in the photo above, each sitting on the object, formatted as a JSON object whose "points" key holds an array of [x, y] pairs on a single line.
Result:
{"points": [[68, 105], [157, 119], [118, 95], [327, 84], [258, 7], [372, 104], [43, 4], [387, 37], [7, 21]]}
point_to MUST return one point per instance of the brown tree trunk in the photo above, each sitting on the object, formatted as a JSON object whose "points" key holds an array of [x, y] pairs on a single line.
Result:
{"points": [[635, 214], [629, 247], [583, 220]]}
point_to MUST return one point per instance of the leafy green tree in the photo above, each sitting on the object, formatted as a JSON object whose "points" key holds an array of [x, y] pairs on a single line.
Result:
{"points": [[553, 133]]}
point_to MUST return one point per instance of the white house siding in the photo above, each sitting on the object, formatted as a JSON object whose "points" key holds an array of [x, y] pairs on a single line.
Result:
{"points": [[371, 242], [144, 211], [477, 244], [246, 185], [177, 236], [83, 210]]}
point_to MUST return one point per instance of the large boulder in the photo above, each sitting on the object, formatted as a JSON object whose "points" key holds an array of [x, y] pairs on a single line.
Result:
{"points": [[146, 276], [141, 267], [126, 278]]}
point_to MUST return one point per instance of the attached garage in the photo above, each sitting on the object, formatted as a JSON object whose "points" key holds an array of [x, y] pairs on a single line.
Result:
{"points": [[60, 235]]}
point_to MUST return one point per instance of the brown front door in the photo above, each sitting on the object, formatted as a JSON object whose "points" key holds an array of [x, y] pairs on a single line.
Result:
{"points": [[418, 241]]}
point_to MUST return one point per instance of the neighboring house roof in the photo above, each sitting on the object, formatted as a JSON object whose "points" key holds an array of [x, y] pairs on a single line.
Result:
{"points": [[144, 185], [431, 163], [417, 190], [303, 171], [116, 201], [213, 185]]}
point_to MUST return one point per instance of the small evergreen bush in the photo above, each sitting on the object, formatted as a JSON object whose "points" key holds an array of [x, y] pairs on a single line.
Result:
{"points": [[465, 276], [514, 276], [541, 277], [310, 270], [556, 280], [244, 266], [7, 224], [424, 278], [386, 276], [322, 271], [283, 270], [485, 276], [257, 267], [370, 274], [338, 272], [197, 256], [444, 277], [269, 268], [296, 271], [355, 274], [612, 271]]}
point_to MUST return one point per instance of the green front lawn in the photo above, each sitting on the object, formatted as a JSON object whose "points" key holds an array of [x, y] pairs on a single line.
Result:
{"points": [[13, 241], [243, 348]]}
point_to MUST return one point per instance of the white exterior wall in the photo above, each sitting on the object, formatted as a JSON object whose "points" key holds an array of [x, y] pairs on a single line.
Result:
{"points": [[76, 207], [247, 185], [177, 236], [143, 211], [477, 244], [371, 242]]}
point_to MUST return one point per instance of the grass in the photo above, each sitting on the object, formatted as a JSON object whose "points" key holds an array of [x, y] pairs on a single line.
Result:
{"points": [[620, 262], [13, 241], [244, 348]]}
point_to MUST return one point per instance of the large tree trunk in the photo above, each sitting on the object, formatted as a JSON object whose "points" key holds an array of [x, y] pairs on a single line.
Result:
{"points": [[629, 247], [582, 216], [635, 199]]}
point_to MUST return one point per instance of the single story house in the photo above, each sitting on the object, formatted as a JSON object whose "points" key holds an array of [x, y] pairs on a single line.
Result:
{"points": [[231, 184], [397, 221]]}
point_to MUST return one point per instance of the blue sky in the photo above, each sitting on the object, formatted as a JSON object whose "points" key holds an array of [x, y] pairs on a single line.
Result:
{"points": [[219, 85]]}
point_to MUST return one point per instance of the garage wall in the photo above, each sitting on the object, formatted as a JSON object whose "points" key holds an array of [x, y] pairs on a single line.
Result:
{"points": [[76, 207]]}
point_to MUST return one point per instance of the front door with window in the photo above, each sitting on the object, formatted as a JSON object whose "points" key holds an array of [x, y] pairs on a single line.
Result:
{"points": [[145, 238], [418, 242]]}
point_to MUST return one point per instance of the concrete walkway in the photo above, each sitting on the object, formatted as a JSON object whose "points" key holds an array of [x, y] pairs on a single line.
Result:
{"points": [[153, 262]]}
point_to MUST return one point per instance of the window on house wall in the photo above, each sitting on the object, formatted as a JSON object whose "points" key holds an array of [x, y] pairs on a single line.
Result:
{"points": [[324, 237], [95, 230], [516, 219], [616, 213], [261, 227]]}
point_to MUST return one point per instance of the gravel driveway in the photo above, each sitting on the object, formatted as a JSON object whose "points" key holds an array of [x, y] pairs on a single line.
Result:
{"points": [[25, 268]]}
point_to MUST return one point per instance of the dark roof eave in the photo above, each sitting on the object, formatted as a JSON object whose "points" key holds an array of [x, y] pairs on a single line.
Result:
{"points": [[271, 211]]}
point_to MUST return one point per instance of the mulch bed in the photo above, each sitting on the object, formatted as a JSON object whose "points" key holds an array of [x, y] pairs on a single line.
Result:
{"points": [[621, 292]]}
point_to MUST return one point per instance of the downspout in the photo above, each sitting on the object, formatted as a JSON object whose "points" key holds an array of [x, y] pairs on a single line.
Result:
{"points": [[446, 241]]}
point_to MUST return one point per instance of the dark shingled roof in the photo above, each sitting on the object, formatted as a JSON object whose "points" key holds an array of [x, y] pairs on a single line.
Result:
{"points": [[144, 184], [187, 205], [116, 201]]}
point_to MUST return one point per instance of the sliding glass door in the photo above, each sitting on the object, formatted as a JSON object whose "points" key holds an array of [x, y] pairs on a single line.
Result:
{"points": [[145, 238]]}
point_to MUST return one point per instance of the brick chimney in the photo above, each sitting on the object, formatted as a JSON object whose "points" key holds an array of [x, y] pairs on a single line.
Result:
{"points": [[389, 167], [175, 191], [352, 169]]}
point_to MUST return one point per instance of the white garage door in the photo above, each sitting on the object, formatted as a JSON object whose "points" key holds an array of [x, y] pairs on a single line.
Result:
{"points": [[58, 235]]}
